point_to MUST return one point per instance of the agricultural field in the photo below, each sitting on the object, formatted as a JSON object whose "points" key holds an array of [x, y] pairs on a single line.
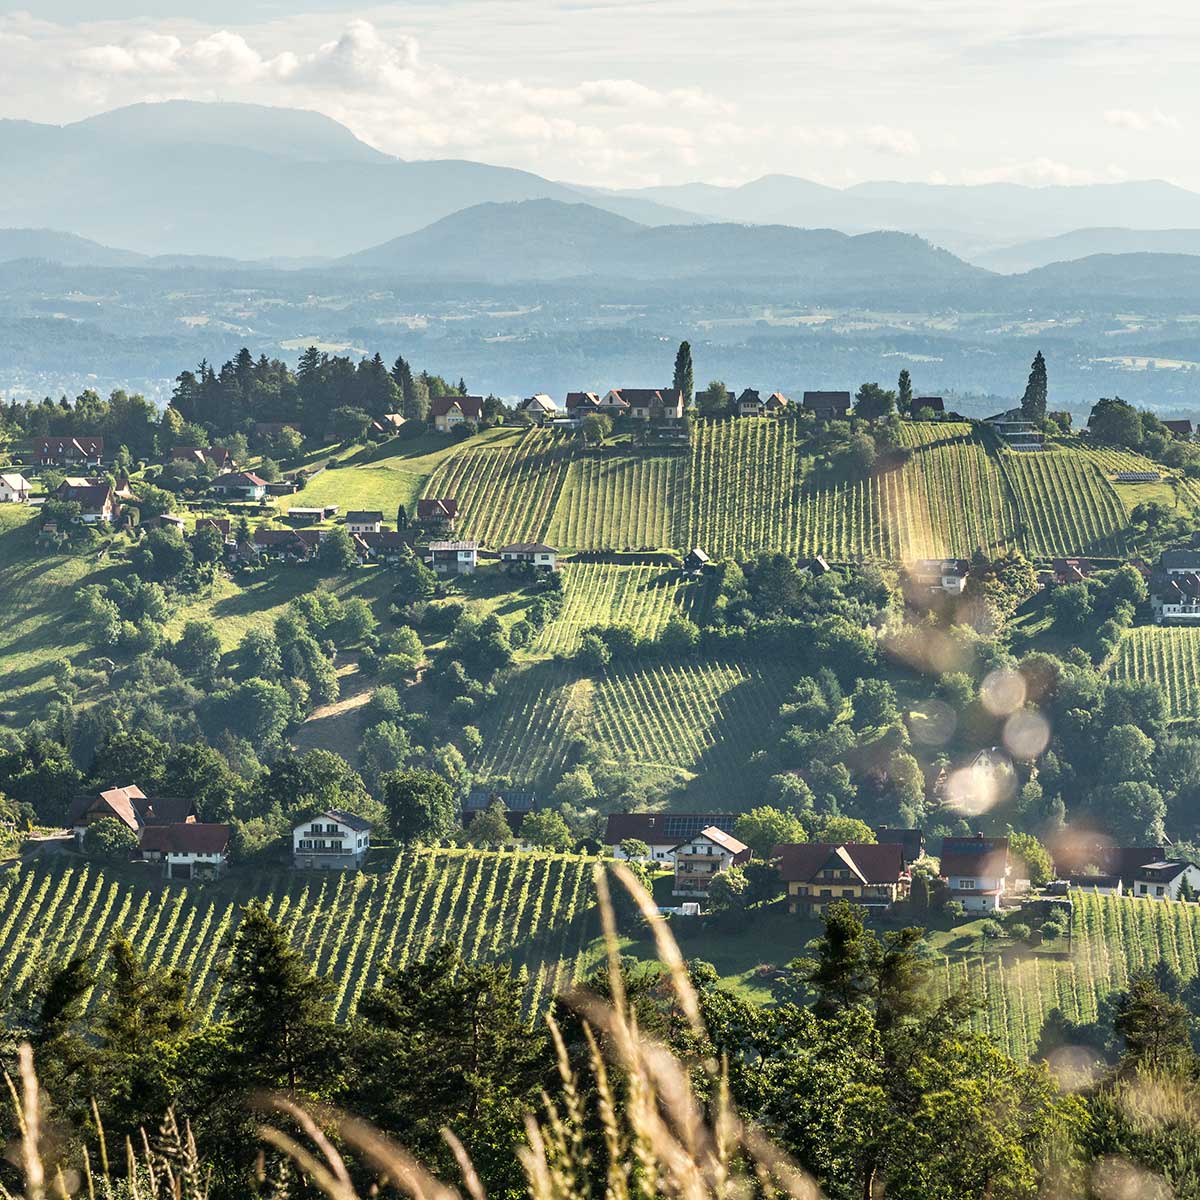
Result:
{"points": [[507, 487], [1111, 937], [691, 725], [534, 911], [616, 501], [642, 597], [1167, 656]]}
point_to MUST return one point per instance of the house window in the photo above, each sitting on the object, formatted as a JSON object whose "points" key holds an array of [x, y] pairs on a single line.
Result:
{"points": [[1141, 889], [1159, 891], [966, 885]]}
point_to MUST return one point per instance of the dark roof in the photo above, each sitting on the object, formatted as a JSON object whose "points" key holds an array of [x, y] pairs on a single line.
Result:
{"points": [[528, 548], [192, 838], [1073, 853], [238, 479], [471, 406], [1180, 560], [800, 861], [581, 400], [911, 841], [695, 554], [942, 566], [131, 806], [357, 518], [827, 403], [1164, 870], [978, 855], [444, 509], [749, 396], [935, 403], [220, 524], [94, 497], [479, 799], [350, 820], [662, 827], [648, 397], [1179, 427], [89, 446], [1105, 881]]}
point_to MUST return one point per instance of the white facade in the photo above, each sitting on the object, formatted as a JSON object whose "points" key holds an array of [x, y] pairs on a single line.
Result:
{"points": [[330, 841], [369, 525], [14, 489], [1162, 886], [977, 893], [191, 864]]}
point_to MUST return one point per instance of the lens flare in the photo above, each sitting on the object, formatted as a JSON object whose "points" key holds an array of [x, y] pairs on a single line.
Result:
{"points": [[1026, 734], [932, 723], [1002, 692]]}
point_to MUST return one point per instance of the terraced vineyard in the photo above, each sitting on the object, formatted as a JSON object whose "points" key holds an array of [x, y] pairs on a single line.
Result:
{"points": [[626, 502], [1112, 936], [533, 910], [606, 594], [693, 723], [506, 489], [1063, 504], [1167, 656]]}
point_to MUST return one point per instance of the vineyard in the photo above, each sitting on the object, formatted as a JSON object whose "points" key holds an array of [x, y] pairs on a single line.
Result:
{"points": [[1112, 936], [534, 911], [506, 489], [620, 503], [693, 724], [1167, 656], [642, 597], [1063, 505]]}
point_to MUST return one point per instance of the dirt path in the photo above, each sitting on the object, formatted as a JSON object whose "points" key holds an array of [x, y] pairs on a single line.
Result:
{"points": [[336, 726]]}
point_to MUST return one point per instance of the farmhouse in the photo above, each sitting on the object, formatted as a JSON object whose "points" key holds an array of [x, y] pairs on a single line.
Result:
{"points": [[97, 502], [448, 412], [579, 404], [702, 857], [68, 451], [775, 403], [1175, 588], [976, 871], [827, 406], [1179, 429], [1071, 570], [662, 832], [940, 574], [14, 489], [694, 561], [297, 545], [644, 404], [244, 485], [818, 873], [540, 408], [333, 840], [364, 522], [220, 524], [910, 841], [1166, 879], [539, 555], [388, 424], [933, 406], [191, 851], [1078, 857], [816, 567], [454, 558], [748, 404], [437, 514], [388, 545], [132, 807], [1016, 430], [516, 805]]}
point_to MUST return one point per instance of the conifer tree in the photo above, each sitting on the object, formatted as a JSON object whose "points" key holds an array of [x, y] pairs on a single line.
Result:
{"points": [[1033, 403], [684, 380], [904, 395]]}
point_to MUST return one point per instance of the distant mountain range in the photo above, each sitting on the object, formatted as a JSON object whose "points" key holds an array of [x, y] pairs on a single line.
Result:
{"points": [[238, 181], [1081, 243]]}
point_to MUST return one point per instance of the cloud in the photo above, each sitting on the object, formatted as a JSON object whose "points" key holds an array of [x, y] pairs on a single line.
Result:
{"points": [[1040, 172], [892, 141], [1140, 122]]}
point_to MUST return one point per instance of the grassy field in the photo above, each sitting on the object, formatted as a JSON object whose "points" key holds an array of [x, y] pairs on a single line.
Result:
{"points": [[1167, 656], [534, 911], [506, 487], [689, 725], [608, 594]]}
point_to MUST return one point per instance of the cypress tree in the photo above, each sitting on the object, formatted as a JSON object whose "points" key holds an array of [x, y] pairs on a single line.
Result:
{"points": [[904, 394], [1033, 403], [684, 380]]}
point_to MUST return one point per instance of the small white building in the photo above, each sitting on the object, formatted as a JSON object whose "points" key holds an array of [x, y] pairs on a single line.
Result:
{"points": [[700, 859], [540, 556], [332, 840], [188, 851], [364, 522], [947, 575], [14, 489], [244, 485], [1164, 880], [453, 558], [976, 871]]}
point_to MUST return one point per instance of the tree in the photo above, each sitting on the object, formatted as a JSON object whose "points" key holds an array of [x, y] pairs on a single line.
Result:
{"points": [[635, 848], [1154, 1028], [197, 653], [337, 552], [843, 829], [904, 393], [874, 704], [350, 424], [764, 827], [546, 828], [490, 827], [1039, 866], [281, 1023], [714, 401], [684, 380], [420, 805], [596, 427], [1033, 402], [872, 402], [729, 890], [109, 840], [1072, 606], [1115, 422], [840, 973]]}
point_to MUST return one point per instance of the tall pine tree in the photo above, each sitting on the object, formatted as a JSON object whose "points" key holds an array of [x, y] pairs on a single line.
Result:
{"points": [[1033, 403], [904, 394], [684, 380]]}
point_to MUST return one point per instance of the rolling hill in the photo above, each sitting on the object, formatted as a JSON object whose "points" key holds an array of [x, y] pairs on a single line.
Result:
{"points": [[1083, 243]]}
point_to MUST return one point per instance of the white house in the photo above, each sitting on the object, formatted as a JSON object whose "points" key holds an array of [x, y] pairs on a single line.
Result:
{"points": [[700, 859], [364, 522], [454, 558], [243, 484], [541, 556], [661, 832], [188, 851], [1175, 588], [976, 871], [333, 840], [1164, 880], [448, 412], [941, 574], [14, 489]]}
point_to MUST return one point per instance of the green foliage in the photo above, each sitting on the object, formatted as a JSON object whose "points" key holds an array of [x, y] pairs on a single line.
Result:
{"points": [[764, 827], [1033, 402], [109, 840], [420, 805]]}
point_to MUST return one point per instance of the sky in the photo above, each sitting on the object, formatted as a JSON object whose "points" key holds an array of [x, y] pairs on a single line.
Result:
{"points": [[630, 93]]}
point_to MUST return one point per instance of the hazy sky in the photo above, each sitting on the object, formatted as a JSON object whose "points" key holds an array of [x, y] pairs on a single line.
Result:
{"points": [[631, 92]]}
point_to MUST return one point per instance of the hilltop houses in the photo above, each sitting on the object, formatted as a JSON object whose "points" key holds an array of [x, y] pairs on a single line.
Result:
{"points": [[98, 503], [79, 451], [540, 408], [448, 412], [214, 456], [934, 406], [1016, 430], [364, 522], [190, 851], [661, 832], [816, 874], [827, 406], [537, 554], [239, 485], [948, 575]]}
